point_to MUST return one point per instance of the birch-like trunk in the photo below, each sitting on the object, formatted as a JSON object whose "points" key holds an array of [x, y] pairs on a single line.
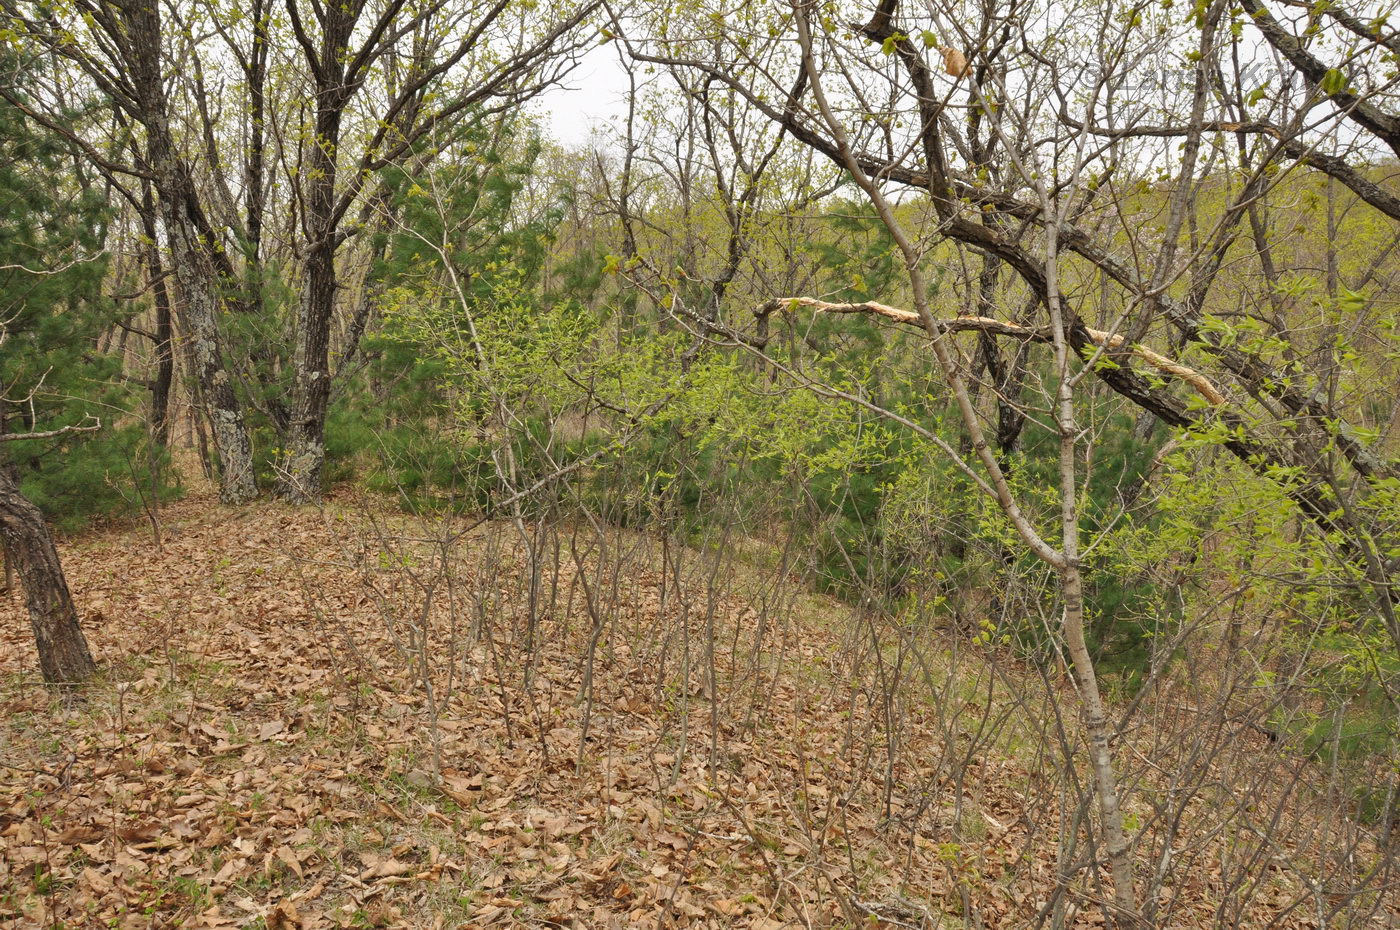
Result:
{"points": [[1098, 730]]}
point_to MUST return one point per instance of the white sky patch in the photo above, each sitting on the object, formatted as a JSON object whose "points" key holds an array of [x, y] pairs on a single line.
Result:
{"points": [[593, 95]]}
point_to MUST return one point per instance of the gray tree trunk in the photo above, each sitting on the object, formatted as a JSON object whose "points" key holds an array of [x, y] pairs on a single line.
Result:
{"points": [[192, 253], [300, 476], [237, 484]]}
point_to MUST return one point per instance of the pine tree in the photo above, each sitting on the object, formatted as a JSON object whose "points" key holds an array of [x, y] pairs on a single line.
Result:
{"points": [[52, 229]]}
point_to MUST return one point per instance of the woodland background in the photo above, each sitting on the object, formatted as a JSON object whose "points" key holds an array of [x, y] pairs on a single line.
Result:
{"points": [[925, 464]]}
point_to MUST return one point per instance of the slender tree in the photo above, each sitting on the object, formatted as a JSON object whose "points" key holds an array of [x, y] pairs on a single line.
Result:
{"points": [[428, 65]]}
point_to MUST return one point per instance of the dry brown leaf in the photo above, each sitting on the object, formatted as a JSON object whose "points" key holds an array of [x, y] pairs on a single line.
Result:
{"points": [[284, 916], [96, 881], [73, 836], [388, 867], [955, 62], [288, 858], [232, 869]]}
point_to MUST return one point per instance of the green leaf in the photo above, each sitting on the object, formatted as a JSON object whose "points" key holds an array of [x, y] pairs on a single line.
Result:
{"points": [[1351, 301]]}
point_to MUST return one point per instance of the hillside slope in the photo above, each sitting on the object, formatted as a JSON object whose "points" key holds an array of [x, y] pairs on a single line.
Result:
{"points": [[326, 719]]}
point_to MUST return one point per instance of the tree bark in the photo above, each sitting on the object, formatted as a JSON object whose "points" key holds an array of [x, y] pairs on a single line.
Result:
{"points": [[164, 376], [299, 478], [64, 658], [165, 365], [198, 285], [192, 252], [1100, 732], [1097, 726]]}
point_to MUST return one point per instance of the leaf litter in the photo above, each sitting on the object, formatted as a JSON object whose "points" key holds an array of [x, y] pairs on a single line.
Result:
{"points": [[262, 752]]}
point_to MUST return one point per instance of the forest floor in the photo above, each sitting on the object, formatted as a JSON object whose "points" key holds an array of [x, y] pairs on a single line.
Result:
{"points": [[261, 752]]}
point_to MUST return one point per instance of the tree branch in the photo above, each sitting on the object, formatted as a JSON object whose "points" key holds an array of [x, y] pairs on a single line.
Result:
{"points": [[54, 433], [1199, 382]]}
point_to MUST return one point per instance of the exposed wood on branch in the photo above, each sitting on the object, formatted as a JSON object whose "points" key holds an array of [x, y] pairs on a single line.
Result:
{"points": [[1199, 382], [52, 433]]}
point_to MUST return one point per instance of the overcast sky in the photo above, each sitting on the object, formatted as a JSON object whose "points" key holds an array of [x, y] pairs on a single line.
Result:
{"points": [[593, 94]]}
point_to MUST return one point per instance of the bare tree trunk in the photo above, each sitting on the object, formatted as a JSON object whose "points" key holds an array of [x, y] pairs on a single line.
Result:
{"points": [[164, 376], [192, 255], [300, 477], [1097, 727], [236, 481], [1099, 731], [64, 658], [165, 368]]}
